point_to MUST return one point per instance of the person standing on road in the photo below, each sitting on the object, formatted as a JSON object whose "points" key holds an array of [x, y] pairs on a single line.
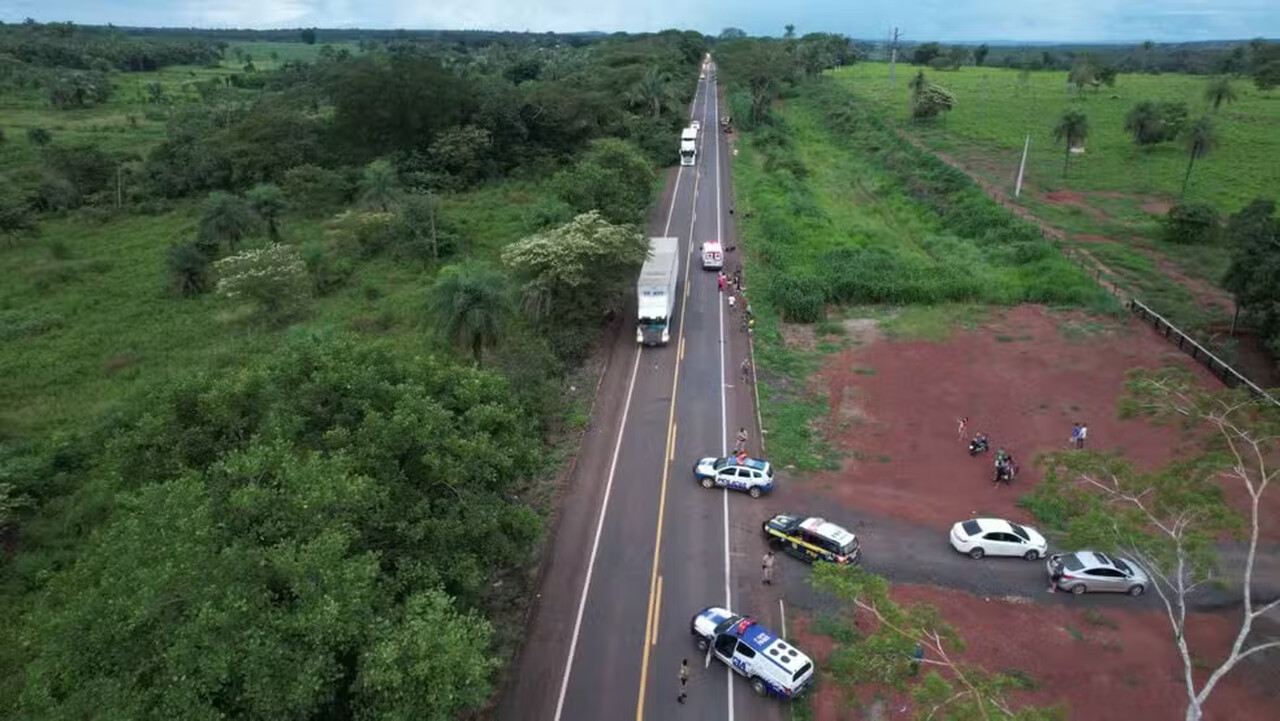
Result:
{"points": [[684, 680], [1075, 435], [746, 369], [964, 426], [766, 567], [1084, 433], [1056, 575], [720, 281], [741, 444]]}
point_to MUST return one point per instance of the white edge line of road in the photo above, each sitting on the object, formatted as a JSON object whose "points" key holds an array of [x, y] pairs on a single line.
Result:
{"points": [[724, 428], [613, 466]]}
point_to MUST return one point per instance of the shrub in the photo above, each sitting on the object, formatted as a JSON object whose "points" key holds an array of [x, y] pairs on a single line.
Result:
{"points": [[1192, 224], [39, 136], [328, 273], [275, 277], [314, 191]]}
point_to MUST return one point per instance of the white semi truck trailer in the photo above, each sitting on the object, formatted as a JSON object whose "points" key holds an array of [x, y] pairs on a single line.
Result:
{"points": [[656, 291]]}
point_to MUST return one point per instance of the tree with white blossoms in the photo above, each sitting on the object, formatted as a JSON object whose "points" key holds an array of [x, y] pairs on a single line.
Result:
{"points": [[274, 277], [1172, 519]]}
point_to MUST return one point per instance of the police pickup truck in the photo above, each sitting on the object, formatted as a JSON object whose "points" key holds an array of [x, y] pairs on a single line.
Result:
{"points": [[773, 666], [812, 539]]}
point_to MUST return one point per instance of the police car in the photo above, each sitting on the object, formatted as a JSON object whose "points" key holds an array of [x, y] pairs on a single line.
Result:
{"points": [[773, 666], [812, 539], [751, 475]]}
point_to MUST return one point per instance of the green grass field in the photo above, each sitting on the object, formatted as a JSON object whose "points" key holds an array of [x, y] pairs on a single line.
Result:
{"points": [[268, 55], [86, 318], [996, 110]]}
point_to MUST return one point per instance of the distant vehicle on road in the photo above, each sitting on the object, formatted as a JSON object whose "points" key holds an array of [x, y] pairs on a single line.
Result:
{"points": [[773, 666], [812, 539], [1094, 571], [712, 255], [980, 537], [751, 475], [656, 291]]}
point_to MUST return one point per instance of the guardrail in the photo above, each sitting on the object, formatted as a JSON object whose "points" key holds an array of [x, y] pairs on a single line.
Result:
{"points": [[1188, 345], [1172, 333]]}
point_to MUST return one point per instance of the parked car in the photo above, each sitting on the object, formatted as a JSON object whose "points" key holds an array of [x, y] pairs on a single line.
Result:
{"points": [[980, 537], [1094, 571], [812, 539], [751, 474]]}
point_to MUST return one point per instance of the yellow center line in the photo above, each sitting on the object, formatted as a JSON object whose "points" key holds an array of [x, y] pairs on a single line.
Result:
{"points": [[650, 631], [657, 608]]}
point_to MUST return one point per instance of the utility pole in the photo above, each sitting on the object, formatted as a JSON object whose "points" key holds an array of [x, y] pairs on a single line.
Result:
{"points": [[893, 58], [1017, 188]]}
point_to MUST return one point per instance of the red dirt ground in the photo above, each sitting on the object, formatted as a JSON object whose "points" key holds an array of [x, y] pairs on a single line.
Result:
{"points": [[1021, 380], [1129, 673]]}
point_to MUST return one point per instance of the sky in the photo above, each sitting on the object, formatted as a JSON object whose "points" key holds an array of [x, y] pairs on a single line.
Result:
{"points": [[920, 20]]}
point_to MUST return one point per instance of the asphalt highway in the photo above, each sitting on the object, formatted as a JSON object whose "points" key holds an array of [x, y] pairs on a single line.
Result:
{"points": [[640, 547]]}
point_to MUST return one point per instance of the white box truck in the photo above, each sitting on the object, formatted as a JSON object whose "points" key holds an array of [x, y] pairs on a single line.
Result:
{"points": [[688, 146], [656, 291]]}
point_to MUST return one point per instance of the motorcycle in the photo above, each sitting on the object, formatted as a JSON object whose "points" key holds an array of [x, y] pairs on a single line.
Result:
{"points": [[1006, 471], [978, 445]]}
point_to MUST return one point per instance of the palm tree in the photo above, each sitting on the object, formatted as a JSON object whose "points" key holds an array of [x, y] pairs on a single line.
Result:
{"points": [[226, 217], [1219, 91], [653, 90], [468, 304], [1072, 127], [269, 203], [1201, 138], [380, 185]]}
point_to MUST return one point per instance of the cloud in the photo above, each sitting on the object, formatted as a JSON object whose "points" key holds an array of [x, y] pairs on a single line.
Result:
{"points": [[921, 20]]}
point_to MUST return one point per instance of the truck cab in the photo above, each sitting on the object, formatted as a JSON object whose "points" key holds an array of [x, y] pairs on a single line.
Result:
{"points": [[688, 146]]}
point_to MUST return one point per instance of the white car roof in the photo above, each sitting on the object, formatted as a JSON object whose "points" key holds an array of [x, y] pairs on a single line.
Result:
{"points": [[826, 529]]}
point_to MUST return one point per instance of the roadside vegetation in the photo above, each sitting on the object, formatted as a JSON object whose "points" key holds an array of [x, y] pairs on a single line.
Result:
{"points": [[287, 355]]}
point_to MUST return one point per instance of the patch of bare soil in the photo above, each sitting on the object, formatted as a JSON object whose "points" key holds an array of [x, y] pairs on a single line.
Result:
{"points": [[1023, 380], [1075, 200], [1115, 664]]}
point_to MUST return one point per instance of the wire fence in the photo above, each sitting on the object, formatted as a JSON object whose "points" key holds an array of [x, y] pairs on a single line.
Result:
{"points": [[1172, 333]]}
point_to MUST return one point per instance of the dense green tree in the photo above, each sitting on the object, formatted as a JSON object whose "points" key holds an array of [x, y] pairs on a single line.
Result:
{"points": [[1264, 64], [379, 185], [980, 54], [226, 218], [463, 153], [1083, 72], [1071, 130], [287, 535], [653, 91], [397, 102], [420, 231], [583, 266], [925, 53], [762, 68], [1155, 122], [1201, 138], [308, 36], [1191, 224], [1254, 233], [314, 190], [16, 218], [1219, 91], [613, 177], [732, 34], [269, 202], [469, 307]]}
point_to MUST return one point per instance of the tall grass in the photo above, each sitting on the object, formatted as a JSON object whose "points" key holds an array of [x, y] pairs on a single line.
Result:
{"points": [[843, 211]]}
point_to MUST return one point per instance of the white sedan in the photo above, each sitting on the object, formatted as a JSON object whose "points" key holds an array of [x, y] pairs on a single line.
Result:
{"points": [[980, 537]]}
